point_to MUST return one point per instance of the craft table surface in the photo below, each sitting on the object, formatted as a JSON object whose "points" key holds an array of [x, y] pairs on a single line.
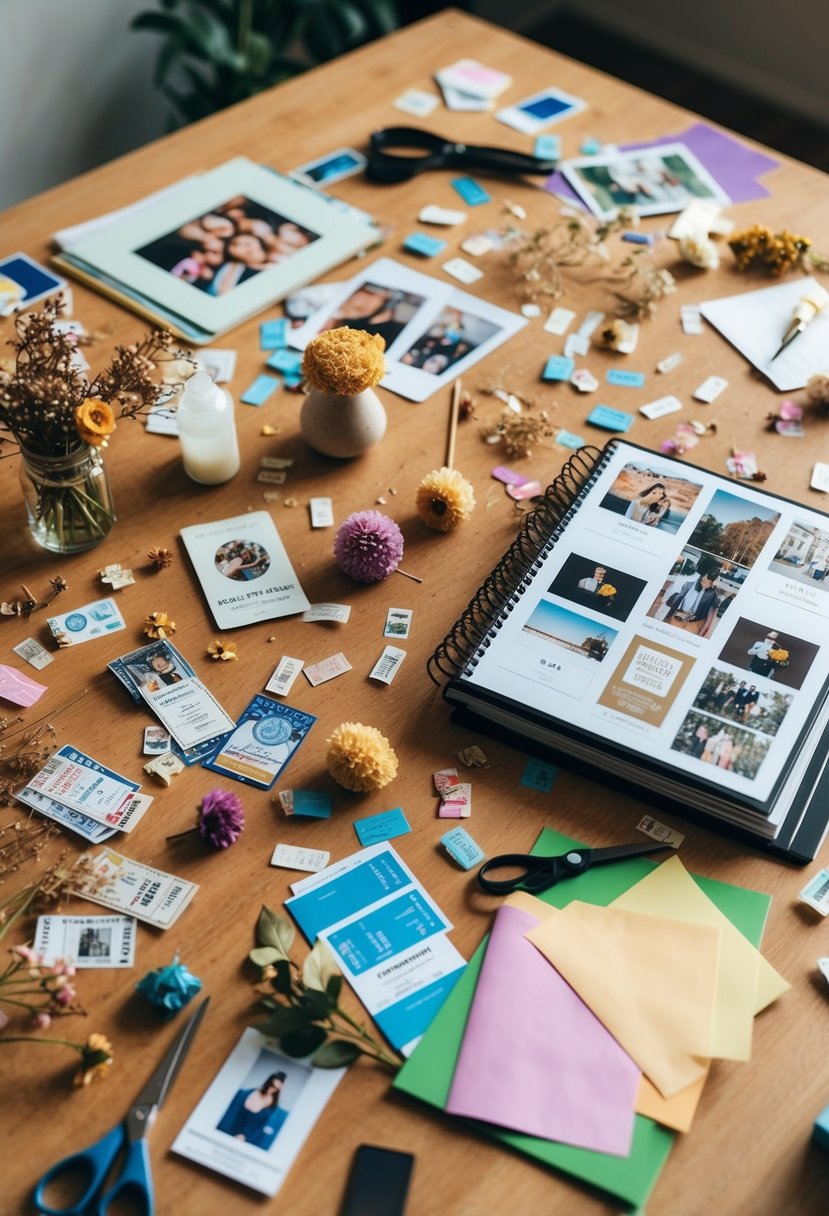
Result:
{"points": [[748, 1153]]}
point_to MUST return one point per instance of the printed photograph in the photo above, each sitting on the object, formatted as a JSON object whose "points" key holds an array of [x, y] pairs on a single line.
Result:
{"points": [[376, 309], [644, 494], [803, 555], [157, 666], [696, 591], [594, 585], [451, 337], [769, 653], [578, 634], [655, 181], [95, 943], [227, 246], [263, 1102], [734, 529], [721, 744], [241, 560], [747, 702]]}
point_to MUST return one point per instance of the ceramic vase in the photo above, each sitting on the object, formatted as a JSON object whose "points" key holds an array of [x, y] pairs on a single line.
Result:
{"points": [[342, 426]]}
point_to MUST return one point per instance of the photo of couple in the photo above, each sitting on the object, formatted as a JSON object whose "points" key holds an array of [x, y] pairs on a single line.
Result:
{"points": [[376, 310], [600, 587], [721, 744], [645, 495], [227, 246], [241, 560], [743, 701]]}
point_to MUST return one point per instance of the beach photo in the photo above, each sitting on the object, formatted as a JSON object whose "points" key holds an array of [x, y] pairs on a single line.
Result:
{"points": [[770, 653], [596, 585], [721, 744], [646, 494], [558, 627]]}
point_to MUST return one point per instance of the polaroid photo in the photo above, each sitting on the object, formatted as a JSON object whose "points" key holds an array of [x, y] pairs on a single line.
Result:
{"points": [[266, 736], [334, 167], [801, 563], [88, 941], [385, 298], [24, 282], [457, 336], [696, 591], [540, 110], [649, 496], [654, 181], [257, 1113]]}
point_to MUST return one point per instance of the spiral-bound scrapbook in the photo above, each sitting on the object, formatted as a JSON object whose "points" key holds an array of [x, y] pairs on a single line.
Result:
{"points": [[666, 626]]}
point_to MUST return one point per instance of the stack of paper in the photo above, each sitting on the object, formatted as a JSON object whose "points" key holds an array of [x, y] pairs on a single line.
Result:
{"points": [[592, 1064]]}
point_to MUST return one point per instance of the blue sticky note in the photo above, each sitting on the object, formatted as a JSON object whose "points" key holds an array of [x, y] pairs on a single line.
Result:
{"points": [[625, 379], [568, 440], [314, 804], [558, 367], [273, 335], [462, 848], [609, 419], [287, 361], [426, 246], [590, 147], [469, 190], [637, 238], [259, 391], [385, 826], [547, 147], [538, 775], [820, 1132]]}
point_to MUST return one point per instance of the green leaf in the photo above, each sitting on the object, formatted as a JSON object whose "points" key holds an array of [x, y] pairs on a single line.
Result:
{"points": [[336, 1053], [170, 51], [302, 1042], [319, 966], [333, 988], [161, 23], [382, 14], [211, 37], [282, 980], [317, 1004], [264, 956], [257, 53], [274, 930], [284, 1020]]}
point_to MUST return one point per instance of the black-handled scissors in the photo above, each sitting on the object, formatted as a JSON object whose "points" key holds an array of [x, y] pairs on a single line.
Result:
{"points": [[397, 154], [540, 873]]}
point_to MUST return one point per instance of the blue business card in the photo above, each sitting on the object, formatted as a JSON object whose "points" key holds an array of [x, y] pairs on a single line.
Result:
{"points": [[259, 391], [470, 191], [385, 826], [558, 367], [610, 420], [568, 440], [313, 804]]}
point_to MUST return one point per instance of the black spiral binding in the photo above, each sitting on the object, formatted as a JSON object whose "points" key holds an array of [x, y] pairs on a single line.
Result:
{"points": [[539, 530]]}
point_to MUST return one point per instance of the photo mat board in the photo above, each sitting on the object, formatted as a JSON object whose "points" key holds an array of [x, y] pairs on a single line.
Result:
{"points": [[655, 181]]}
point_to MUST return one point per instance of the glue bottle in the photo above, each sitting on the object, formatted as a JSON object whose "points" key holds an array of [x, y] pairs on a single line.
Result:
{"points": [[207, 430]]}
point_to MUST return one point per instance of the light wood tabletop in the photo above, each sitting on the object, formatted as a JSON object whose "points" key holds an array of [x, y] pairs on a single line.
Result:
{"points": [[749, 1152]]}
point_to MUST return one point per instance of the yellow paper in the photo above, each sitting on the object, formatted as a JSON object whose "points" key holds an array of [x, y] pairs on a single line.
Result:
{"points": [[669, 890], [651, 981], [676, 1112]]}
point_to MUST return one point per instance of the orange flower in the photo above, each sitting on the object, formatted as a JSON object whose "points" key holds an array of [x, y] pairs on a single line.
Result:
{"points": [[95, 421]]}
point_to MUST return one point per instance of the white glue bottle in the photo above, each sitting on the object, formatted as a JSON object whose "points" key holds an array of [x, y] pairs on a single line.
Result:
{"points": [[207, 430]]}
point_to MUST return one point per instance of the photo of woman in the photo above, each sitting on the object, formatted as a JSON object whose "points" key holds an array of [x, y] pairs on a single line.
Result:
{"points": [[648, 495], [450, 338], [694, 604], [255, 1115], [650, 506], [241, 560]]}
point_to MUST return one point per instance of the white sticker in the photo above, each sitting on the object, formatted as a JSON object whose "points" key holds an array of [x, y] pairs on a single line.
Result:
{"points": [[327, 612], [322, 512], [432, 214], [816, 892], [462, 270], [660, 831], [156, 740], [661, 407], [576, 345], [710, 389], [591, 323], [559, 321], [285, 672], [327, 669], [387, 666], [33, 653], [272, 477], [476, 246], [417, 102], [669, 363], [691, 319], [296, 857], [820, 477]]}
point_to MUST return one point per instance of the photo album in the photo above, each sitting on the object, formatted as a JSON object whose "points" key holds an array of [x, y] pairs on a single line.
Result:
{"points": [[670, 628], [210, 252]]}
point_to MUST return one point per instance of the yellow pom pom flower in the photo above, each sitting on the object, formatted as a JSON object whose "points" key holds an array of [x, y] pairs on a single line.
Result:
{"points": [[444, 499], [344, 361], [359, 758]]}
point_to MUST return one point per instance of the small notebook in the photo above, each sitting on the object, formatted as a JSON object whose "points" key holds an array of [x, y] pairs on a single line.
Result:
{"points": [[657, 623]]}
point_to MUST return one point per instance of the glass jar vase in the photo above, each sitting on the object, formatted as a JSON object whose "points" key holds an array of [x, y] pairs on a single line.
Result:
{"points": [[68, 499]]}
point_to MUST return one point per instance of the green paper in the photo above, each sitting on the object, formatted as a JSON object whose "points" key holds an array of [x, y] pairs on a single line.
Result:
{"points": [[428, 1073]]}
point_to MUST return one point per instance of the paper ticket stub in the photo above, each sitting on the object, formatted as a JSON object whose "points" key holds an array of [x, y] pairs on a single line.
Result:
{"points": [[661, 407], [327, 612], [274, 477], [84, 624], [276, 462], [388, 665], [327, 669], [75, 821], [156, 740], [816, 892], [89, 941], [660, 831], [445, 779], [398, 623], [296, 857], [286, 671], [33, 653], [135, 889], [456, 802], [79, 782], [322, 512]]}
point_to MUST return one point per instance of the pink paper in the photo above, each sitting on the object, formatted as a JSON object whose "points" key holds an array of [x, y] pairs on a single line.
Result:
{"points": [[534, 1058], [17, 688]]}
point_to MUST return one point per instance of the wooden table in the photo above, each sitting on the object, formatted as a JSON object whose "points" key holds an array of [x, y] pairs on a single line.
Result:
{"points": [[749, 1150]]}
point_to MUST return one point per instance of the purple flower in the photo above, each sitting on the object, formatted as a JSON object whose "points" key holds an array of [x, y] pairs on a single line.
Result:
{"points": [[368, 546], [221, 818]]}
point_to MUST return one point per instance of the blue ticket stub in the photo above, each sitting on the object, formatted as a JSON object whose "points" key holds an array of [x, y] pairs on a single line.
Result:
{"points": [[312, 804], [558, 367], [625, 379], [568, 440], [538, 775], [426, 246], [547, 147], [385, 826], [259, 391], [273, 335], [83, 624], [405, 921], [609, 419], [289, 362], [462, 848], [470, 191], [266, 737]]}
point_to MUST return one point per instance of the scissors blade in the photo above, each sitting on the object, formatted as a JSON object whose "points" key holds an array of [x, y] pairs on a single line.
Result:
{"points": [[152, 1096], [616, 852]]}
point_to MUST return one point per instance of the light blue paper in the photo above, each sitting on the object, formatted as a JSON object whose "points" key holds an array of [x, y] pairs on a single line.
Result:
{"points": [[558, 367], [259, 391], [470, 191], [609, 419], [386, 826]]}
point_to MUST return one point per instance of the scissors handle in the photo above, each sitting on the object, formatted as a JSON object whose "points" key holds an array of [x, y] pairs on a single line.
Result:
{"points": [[536, 873], [388, 166], [96, 1162], [134, 1180]]}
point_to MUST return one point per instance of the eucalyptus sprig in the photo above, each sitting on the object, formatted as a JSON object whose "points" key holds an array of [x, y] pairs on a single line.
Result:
{"points": [[302, 1003]]}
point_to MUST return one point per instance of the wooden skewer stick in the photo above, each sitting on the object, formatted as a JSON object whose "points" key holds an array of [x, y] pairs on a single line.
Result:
{"points": [[453, 424], [406, 574]]}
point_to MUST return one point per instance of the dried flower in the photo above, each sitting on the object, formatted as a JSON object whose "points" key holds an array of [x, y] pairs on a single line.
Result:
{"points": [[95, 421], [96, 1059], [160, 558], [644, 286], [360, 758], [159, 625], [817, 389], [219, 820], [777, 252], [699, 250], [169, 988], [344, 361], [226, 651], [519, 432], [444, 499], [368, 546], [575, 240]]}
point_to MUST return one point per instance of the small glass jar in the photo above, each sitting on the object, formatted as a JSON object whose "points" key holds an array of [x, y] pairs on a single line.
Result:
{"points": [[68, 499]]}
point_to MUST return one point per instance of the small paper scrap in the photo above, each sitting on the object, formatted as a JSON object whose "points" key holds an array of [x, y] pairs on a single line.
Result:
{"points": [[591, 323], [33, 653], [559, 321], [157, 740], [473, 757], [661, 407], [462, 848], [259, 392], [816, 893], [327, 612], [462, 270], [220, 365], [272, 477], [285, 672], [538, 775], [388, 665], [742, 464], [691, 319], [710, 389], [528, 310], [117, 576], [424, 246], [476, 246], [660, 831], [472, 193], [165, 767], [416, 102], [576, 346], [398, 623], [273, 335], [432, 214], [276, 462], [386, 826], [528, 489], [669, 363], [297, 857], [312, 804], [456, 802], [327, 669], [820, 477], [558, 367], [584, 381], [625, 379], [19, 689], [609, 419]]}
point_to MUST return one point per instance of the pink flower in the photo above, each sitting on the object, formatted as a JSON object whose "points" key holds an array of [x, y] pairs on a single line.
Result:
{"points": [[42, 1020], [65, 995], [25, 953], [368, 546]]}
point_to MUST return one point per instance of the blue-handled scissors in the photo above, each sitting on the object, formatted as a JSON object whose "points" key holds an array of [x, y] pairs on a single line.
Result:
{"points": [[539, 873], [128, 1139]]}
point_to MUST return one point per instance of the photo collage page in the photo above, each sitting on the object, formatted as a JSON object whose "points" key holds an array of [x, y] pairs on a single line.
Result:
{"points": [[680, 615]]}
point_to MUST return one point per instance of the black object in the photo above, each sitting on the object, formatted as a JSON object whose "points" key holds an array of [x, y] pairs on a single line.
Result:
{"points": [[397, 154], [540, 873], [378, 1183]]}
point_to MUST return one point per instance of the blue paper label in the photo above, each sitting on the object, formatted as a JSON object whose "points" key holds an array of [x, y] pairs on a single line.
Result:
{"points": [[617, 375], [558, 367], [470, 191], [609, 419], [401, 923], [385, 826]]}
